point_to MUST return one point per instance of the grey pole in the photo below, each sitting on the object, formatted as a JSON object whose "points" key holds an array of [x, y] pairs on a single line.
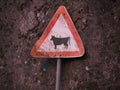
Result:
{"points": [[58, 74]]}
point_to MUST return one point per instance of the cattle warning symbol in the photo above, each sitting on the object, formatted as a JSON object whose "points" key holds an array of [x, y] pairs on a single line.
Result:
{"points": [[60, 39]]}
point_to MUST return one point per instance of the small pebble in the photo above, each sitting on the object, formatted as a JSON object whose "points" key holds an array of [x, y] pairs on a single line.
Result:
{"points": [[84, 20], [87, 68], [25, 62], [44, 69], [43, 21], [38, 81], [18, 56], [35, 73]]}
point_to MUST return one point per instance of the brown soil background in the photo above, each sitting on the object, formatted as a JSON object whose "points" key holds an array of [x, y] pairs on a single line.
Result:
{"points": [[22, 22]]}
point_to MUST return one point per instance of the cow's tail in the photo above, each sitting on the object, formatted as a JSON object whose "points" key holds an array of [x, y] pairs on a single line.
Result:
{"points": [[69, 40]]}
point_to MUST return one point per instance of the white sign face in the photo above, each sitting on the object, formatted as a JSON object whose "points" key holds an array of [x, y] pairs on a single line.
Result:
{"points": [[59, 39]]}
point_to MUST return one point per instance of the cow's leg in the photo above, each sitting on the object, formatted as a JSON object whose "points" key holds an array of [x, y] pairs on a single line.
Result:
{"points": [[66, 45], [55, 46]]}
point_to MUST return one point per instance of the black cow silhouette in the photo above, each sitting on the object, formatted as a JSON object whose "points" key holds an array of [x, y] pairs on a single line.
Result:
{"points": [[59, 41]]}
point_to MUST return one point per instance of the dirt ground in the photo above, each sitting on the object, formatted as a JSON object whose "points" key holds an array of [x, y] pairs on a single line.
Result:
{"points": [[22, 22]]}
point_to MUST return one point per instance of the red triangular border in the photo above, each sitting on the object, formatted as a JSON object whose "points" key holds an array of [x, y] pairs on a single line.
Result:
{"points": [[65, 54]]}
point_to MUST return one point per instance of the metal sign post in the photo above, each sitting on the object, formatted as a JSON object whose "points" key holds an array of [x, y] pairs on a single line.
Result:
{"points": [[58, 71]]}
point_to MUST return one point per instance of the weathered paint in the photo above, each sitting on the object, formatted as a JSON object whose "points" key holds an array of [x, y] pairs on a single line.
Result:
{"points": [[59, 30], [60, 39]]}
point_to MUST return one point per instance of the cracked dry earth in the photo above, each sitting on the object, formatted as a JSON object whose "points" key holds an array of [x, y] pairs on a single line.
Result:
{"points": [[22, 22]]}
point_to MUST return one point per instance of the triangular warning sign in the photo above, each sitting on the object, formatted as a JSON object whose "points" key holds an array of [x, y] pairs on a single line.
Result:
{"points": [[60, 39]]}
